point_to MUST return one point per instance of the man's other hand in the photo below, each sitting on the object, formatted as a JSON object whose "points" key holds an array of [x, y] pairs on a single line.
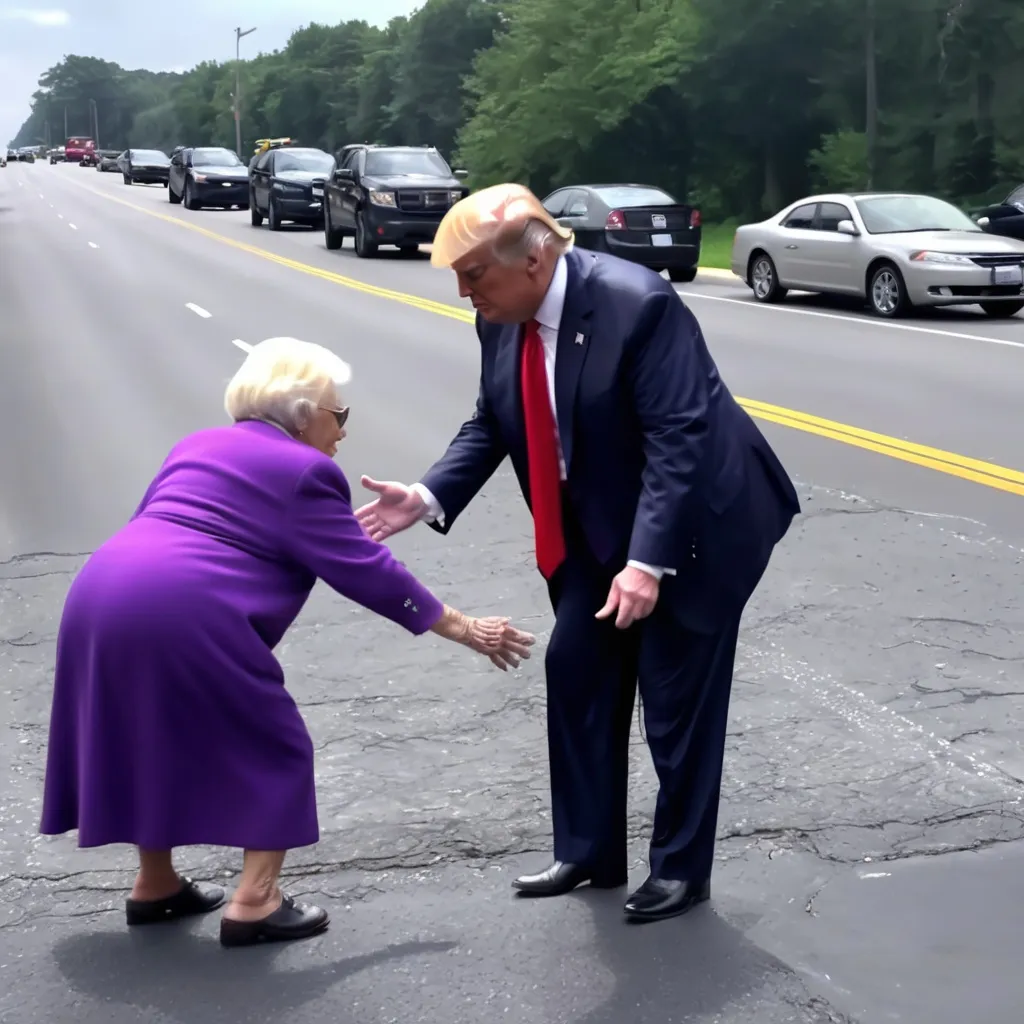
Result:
{"points": [[634, 593]]}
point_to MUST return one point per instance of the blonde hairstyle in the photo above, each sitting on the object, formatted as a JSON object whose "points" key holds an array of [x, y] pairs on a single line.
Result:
{"points": [[284, 380]]}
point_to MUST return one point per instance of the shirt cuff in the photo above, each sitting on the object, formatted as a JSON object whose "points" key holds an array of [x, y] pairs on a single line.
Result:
{"points": [[435, 514], [657, 571]]}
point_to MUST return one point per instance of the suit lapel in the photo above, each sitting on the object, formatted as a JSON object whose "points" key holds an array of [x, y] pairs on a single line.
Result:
{"points": [[573, 344], [508, 374]]}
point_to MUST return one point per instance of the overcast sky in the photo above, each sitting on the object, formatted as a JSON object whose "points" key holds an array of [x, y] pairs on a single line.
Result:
{"points": [[36, 34]]}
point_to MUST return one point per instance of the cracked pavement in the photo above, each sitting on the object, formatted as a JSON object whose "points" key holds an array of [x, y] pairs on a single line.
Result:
{"points": [[870, 856]]}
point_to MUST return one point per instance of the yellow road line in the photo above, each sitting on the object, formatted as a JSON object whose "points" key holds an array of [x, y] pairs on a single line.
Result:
{"points": [[987, 473]]}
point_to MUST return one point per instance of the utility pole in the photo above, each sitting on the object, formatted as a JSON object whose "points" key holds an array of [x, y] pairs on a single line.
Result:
{"points": [[95, 111], [239, 34], [871, 91]]}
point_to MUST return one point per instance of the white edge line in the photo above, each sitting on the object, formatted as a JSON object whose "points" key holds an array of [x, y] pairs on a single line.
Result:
{"points": [[864, 321], [198, 310], [243, 345]]}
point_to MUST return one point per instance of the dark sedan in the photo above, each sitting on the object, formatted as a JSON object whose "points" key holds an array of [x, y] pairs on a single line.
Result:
{"points": [[1006, 219], [287, 184], [208, 176], [640, 223], [144, 167]]}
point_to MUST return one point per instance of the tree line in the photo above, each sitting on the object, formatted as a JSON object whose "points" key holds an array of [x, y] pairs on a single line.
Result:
{"points": [[738, 105]]}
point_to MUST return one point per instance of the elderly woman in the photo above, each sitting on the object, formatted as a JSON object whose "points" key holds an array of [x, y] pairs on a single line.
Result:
{"points": [[171, 725]]}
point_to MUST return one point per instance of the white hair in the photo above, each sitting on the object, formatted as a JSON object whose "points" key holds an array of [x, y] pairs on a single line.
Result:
{"points": [[536, 237], [284, 380]]}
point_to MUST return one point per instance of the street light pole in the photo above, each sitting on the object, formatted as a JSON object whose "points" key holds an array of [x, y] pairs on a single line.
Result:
{"points": [[95, 111], [238, 87]]}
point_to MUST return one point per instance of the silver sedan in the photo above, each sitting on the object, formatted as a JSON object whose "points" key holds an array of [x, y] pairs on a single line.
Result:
{"points": [[897, 251]]}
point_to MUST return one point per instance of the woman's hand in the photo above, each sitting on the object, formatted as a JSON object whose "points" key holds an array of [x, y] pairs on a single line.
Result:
{"points": [[493, 636], [500, 641]]}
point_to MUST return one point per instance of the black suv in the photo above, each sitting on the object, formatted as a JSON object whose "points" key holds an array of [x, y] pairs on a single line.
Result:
{"points": [[389, 195], [287, 183]]}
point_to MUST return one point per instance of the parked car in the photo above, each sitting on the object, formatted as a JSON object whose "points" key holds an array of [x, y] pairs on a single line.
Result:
{"points": [[287, 184], [208, 176], [106, 159], [895, 250], [144, 167], [640, 223], [388, 195], [1006, 218]]}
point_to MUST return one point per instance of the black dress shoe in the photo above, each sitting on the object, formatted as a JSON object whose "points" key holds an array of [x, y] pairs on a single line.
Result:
{"points": [[290, 921], [660, 898], [563, 877], [191, 899]]}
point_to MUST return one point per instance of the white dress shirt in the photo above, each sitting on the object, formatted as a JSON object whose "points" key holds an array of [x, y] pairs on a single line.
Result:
{"points": [[549, 317]]}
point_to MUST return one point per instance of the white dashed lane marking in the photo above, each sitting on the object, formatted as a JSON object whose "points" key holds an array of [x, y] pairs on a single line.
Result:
{"points": [[243, 345], [74, 227], [198, 310], [93, 245]]}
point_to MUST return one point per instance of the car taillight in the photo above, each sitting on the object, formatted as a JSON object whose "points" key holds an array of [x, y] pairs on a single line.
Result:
{"points": [[695, 218], [615, 222]]}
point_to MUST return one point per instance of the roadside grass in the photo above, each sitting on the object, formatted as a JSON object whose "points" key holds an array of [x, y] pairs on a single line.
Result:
{"points": [[716, 245]]}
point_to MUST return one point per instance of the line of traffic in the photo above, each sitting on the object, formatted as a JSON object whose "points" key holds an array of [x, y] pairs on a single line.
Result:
{"points": [[940, 460]]}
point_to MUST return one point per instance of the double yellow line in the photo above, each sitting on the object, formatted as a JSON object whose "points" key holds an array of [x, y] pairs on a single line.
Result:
{"points": [[975, 470]]}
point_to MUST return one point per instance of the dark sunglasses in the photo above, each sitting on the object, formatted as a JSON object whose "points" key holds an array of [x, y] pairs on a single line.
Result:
{"points": [[340, 415]]}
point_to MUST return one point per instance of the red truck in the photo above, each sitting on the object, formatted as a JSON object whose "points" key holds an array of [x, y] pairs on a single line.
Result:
{"points": [[80, 150]]}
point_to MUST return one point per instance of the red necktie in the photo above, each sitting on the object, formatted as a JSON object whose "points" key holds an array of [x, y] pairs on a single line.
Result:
{"points": [[542, 455]]}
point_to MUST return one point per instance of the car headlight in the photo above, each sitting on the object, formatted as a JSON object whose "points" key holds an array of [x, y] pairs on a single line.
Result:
{"points": [[927, 256], [455, 196], [286, 188], [382, 198], [199, 177]]}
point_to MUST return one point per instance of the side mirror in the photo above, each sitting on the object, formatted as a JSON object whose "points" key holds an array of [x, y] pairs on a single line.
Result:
{"points": [[847, 227], [344, 174], [461, 174]]}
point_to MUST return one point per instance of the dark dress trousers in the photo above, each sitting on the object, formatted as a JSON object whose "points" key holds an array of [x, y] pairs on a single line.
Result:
{"points": [[662, 467]]}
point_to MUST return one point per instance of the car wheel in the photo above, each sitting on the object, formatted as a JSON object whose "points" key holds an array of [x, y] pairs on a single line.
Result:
{"points": [[1002, 310], [190, 198], [887, 293], [365, 248], [332, 238], [682, 275], [764, 279], [273, 217]]}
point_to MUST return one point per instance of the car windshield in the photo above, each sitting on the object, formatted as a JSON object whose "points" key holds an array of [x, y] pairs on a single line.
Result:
{"points": [[398, 162], [303, 160], [215, 158], [624, 196], [150, 154], [898, 214]]}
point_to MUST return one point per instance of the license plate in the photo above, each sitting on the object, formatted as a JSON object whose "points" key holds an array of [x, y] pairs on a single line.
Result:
{"points": [[318, 191], [1008, 275], [661, 240]]}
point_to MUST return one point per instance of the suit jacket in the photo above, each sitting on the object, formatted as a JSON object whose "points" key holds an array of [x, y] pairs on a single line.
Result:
{"points": [[662, 465]]}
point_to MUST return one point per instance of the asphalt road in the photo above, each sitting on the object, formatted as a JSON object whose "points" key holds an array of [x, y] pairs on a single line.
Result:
{"points": [[872, 835]]}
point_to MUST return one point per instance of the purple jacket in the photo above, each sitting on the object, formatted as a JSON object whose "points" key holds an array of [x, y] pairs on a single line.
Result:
{"points": [[264, 516]]}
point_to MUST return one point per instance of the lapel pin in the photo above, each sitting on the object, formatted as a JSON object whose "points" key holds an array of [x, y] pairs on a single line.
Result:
{"points": [[579, 339]]}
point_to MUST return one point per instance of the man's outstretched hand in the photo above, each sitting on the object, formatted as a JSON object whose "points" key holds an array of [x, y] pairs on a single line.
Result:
{"points": [[396, 508]]}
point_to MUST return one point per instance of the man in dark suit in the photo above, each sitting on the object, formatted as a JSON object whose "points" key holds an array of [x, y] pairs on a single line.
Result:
{"points": [[656, 503]]}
